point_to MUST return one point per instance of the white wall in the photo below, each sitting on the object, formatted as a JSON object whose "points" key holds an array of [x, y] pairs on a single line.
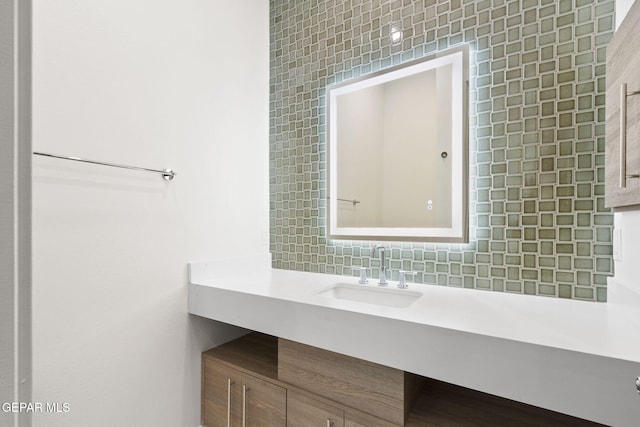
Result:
{"points": [[626, 247], [155, 83], [622, 8]]}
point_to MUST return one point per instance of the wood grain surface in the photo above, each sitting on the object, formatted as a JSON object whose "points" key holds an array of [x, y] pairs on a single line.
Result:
{"points": [[623, 65], [355, 392], [303, 411], [372, 388]]}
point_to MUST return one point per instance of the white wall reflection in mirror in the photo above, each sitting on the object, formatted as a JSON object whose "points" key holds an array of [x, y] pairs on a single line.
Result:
{"points": [[398, 157]]}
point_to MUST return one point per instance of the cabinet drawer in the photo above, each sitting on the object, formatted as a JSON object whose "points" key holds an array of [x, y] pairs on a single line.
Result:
{"points": [[303, 411]]}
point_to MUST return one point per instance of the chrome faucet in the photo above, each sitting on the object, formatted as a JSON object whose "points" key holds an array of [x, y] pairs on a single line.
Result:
{"points": [[383, 269]]}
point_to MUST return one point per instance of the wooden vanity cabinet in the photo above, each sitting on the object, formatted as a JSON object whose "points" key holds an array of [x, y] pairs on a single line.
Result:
{"points": [[622, 168], [316, 397]]}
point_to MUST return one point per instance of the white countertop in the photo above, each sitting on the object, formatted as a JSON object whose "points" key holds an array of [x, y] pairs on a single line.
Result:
{"points": [[604, 329], [479, 334]]}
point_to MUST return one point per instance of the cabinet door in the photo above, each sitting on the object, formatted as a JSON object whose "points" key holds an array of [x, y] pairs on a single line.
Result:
{"points": [[221, 395], [264, 404], [303, 411], [622, 169]]}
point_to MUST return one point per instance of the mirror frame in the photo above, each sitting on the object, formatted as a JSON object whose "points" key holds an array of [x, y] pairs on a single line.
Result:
{"points": [[458, 57]]}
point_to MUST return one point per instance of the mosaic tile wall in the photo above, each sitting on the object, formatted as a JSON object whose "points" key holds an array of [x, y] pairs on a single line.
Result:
{"points": [[538, 222]]}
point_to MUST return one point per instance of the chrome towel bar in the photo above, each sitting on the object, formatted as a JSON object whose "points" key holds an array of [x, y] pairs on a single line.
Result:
{"points": [[354, 201], [167, 174]]}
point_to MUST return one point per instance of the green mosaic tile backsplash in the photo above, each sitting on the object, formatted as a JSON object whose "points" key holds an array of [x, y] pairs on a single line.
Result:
{"points": [[538, 224]]}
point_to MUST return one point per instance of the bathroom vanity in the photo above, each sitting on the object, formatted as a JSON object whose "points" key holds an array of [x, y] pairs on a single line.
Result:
{"points": [[260, 380], [573, 357]]}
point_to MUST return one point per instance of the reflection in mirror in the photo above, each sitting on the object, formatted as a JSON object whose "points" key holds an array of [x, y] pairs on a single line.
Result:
{"points": [[398, 152]]}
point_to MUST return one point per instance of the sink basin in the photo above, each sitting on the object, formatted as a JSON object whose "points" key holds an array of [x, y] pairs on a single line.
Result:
{"points": [[368, 294]]}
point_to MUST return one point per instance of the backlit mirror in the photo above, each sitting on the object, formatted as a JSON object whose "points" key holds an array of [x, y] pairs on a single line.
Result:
{"points": [[398, 152]]}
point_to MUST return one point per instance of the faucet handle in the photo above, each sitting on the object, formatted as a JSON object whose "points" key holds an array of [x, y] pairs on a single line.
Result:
{"points": [[374, 248], [363, 274], [402, 279]]}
